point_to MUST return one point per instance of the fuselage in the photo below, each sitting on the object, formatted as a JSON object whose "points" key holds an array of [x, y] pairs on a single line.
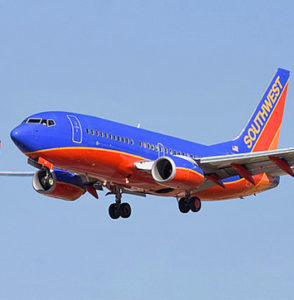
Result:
{"points": [[107, 151]]}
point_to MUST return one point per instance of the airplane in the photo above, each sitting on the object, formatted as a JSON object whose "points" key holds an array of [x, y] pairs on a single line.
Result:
{"points": [[76, 153]]}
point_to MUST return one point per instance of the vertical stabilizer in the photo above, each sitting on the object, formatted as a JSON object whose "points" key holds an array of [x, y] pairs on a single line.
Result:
{"points": [[262, 132]]}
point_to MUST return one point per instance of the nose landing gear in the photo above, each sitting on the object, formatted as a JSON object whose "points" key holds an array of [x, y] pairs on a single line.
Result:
{"points": [[119, 209]]}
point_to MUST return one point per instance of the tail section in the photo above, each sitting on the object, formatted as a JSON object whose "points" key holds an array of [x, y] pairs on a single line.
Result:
{"points": [[262, 132]]}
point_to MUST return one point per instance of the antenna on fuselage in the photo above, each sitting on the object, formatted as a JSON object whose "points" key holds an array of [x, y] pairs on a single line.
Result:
{"points": [[139, 125]]}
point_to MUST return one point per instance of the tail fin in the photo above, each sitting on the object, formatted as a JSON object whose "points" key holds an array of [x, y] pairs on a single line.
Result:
{"points": [[262, 132]]}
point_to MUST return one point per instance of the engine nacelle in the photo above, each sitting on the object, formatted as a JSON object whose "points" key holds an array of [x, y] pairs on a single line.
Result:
{"points": [[58, 184], [177, 173]]}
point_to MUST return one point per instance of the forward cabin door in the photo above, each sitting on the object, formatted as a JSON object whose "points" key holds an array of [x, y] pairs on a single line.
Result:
{"points": [[77, 136]]}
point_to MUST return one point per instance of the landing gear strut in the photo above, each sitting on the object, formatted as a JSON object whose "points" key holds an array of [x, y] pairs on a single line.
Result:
{"points": [[119, 209], [186, 204]]}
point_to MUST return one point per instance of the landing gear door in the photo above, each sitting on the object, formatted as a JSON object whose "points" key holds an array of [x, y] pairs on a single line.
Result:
{"points": [[76, 129]]}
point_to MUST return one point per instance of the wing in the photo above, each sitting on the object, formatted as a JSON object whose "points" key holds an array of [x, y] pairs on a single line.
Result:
{"points": [[19, 174], [274, 163]]}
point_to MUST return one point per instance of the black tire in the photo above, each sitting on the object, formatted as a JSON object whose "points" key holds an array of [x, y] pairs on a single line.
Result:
{"points": [[114, 211], [183, 205], [195, 204], [125, 210]]}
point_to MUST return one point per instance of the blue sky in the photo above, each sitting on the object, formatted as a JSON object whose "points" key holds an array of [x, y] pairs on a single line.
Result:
{"points": [[192, 69]]}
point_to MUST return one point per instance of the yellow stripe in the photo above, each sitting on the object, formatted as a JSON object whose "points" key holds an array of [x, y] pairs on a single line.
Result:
{"points": [[107, 150], [84, 148]]}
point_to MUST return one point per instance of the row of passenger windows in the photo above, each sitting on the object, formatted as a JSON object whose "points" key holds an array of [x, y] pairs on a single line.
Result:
{"points": [[142, 144], [110, 136], [165, 150]]}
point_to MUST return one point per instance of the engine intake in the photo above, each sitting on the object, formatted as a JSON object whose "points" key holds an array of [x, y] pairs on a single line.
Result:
{"points": [[177, 172], [163, 170], [58, 184]]}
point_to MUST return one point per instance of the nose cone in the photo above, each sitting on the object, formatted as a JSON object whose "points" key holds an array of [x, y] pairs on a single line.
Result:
{"points": [[14, 134], [20, 138]]}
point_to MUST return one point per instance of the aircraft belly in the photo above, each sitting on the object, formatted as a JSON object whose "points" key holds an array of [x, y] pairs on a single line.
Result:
{"points": [[238, 189]]}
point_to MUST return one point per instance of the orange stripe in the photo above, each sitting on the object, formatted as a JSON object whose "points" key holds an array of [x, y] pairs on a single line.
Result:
{"points": [[189, 170]]}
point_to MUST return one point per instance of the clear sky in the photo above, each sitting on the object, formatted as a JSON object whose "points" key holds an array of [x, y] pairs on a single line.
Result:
{"points": [[193, 69]]}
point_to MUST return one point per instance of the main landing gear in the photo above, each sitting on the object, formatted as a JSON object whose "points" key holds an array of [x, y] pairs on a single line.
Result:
{"points": [[119, 209], [186, 204]]}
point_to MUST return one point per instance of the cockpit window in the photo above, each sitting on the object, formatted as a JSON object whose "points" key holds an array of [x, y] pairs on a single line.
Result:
{"points": [[50, 123], [35, 121], [44, 122]]}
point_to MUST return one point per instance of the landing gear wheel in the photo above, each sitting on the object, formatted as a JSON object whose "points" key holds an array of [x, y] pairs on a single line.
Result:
{"points": [[195, 204], [125, 210], [183, 205], [114, 211]]}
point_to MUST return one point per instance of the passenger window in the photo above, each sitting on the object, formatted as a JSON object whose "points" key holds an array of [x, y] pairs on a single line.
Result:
{"points": [[128, 141], [97, 132], [148, 145], [166, 150], [101, 134], [145, 145], [132, 142], [171, 151], [106, 134], [88, 131], [93, 132], [140, 144], [119, 138], [123, 139], [114, 137]]}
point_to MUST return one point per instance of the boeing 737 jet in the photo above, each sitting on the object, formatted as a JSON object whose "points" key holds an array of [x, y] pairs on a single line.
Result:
{"points": [[76, 153]]}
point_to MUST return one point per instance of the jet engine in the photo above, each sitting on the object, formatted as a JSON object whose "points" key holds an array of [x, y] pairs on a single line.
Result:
{"points": [[58, 184], [177, 172]]}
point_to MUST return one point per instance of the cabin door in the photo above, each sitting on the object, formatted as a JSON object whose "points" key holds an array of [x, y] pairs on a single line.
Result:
{"points": [[76, 129], [160, 149]]}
